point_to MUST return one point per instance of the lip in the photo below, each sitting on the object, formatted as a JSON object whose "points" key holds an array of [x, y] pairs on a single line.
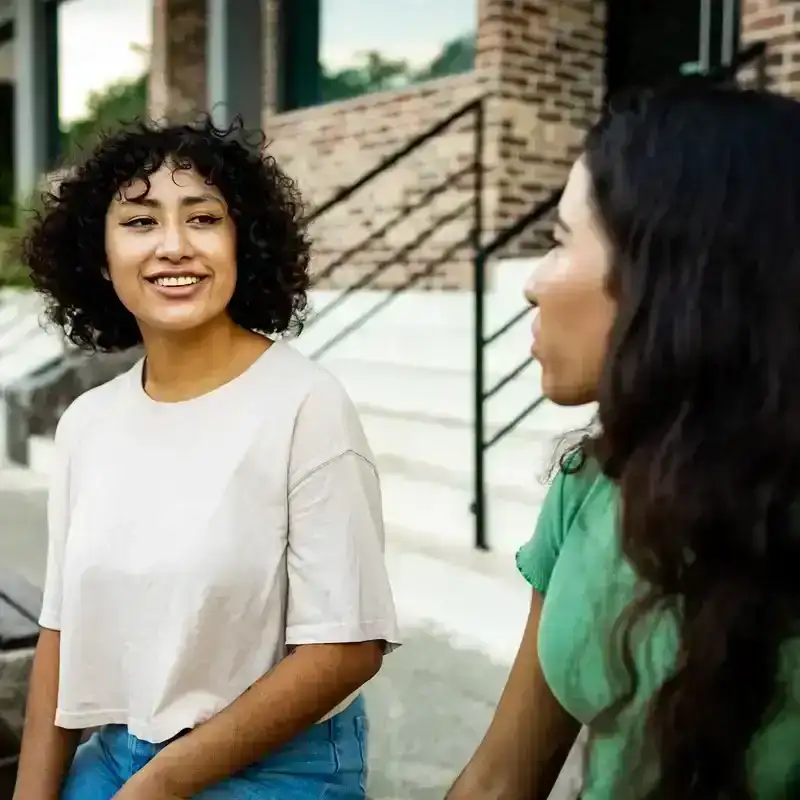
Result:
{"points": [[535, 331]]}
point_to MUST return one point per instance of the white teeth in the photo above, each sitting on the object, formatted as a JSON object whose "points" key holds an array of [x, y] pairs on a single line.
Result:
{"points": [[177, 280]]}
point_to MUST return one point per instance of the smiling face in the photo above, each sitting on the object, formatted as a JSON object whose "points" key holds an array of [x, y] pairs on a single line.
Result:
{"points": [[569, 289], [171, 252]]}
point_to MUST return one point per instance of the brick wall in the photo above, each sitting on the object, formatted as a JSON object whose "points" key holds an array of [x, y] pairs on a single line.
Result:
{"points": [[548, 57], [328, 147], [776, 22], [540, 62]]}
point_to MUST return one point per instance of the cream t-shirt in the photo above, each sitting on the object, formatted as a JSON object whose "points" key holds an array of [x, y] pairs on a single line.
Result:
{"points": [[190, 543]]}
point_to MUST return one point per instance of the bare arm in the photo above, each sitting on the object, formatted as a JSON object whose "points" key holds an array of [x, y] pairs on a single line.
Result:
{"points": [[47, 751], [530, 735], [296, 694]]}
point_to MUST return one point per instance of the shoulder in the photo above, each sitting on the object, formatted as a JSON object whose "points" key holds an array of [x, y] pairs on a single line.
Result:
{"points": [[320, 397], [90, 406], [573, 493], [327, 424]]}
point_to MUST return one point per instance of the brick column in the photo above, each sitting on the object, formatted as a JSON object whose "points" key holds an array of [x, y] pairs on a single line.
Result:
{"points": [[776, 22], [545, 59], [177, 85]]}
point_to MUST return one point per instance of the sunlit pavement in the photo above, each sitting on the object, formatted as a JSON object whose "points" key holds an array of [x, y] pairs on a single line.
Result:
{"points": [[432, 701]]}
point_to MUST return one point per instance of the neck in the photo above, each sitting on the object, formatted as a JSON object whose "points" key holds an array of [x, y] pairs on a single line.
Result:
{"points": [[183, 365]]}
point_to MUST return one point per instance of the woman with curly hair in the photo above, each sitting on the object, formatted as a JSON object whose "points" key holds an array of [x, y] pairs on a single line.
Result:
{"points": [[216, 594], [665, 612]]}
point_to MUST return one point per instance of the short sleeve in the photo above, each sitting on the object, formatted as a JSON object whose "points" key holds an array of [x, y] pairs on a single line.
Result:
{"points": [[58, 505], [339, 588], [537, 558]]}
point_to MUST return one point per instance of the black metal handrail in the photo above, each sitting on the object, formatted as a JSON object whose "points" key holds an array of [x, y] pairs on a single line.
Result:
{"points": [[755, 53], [387, 163], [425, 200], [474, 203], [391, 260]]}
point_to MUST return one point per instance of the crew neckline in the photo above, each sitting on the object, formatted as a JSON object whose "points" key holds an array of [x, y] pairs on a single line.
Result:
{"points": [[223, 389]]}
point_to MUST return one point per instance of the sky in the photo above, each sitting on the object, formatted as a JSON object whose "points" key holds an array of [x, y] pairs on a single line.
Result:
{"points": [[95, 43], [97, 37]]}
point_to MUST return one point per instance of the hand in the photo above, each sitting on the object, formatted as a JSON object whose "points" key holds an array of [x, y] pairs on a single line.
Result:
{"points": [[146, 785]]}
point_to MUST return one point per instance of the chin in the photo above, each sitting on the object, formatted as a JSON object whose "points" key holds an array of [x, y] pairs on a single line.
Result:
{"points": [[563, 394], [176, 323]]}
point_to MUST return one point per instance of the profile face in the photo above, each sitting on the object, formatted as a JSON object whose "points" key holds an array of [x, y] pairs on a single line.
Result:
{"points": [[171, 251], [575, 312]]}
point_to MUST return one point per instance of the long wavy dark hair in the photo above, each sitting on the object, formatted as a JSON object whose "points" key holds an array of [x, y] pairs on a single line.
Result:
{"points": [[698, 188]]}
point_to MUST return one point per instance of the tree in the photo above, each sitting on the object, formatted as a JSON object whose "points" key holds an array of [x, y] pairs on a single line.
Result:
{"points": [[372, 72], [455, 57], [121, 102]]}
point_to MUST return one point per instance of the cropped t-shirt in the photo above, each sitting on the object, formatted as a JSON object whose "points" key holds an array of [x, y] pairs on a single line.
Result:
{"points": [[574, 560], [191, 543]]}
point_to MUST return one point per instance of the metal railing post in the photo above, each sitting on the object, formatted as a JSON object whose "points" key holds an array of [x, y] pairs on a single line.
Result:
{"points": [[479, 278], [762, 81]]}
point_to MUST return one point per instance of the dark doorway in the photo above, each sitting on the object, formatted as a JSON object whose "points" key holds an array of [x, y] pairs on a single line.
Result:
{"points": [[6, 148], [649, 42]]}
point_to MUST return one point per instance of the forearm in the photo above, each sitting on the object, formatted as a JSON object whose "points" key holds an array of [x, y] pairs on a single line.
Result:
{"points": [[296, 694], [530, 736], [47, 751], [489, 778]]}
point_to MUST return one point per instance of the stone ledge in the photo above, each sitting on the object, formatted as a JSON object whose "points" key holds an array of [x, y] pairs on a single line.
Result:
{"points": [[15, 667], [36, 403]]}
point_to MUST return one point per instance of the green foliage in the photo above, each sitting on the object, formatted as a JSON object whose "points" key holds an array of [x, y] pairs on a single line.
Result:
{"points": [[13, 221], [373, 72], [457, 56], [121, 102], [11, 272]]}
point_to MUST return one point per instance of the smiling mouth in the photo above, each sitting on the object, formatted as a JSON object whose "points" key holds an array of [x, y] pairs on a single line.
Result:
{"points": [[176, 280]]}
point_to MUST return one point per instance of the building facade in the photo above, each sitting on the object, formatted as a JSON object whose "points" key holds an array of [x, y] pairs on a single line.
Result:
{"points": [[542, 67], [29, 124]]}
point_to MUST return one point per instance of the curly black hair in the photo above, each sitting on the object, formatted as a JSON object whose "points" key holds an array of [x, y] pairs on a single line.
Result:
{"points": [[698, 188], [64, 245]]}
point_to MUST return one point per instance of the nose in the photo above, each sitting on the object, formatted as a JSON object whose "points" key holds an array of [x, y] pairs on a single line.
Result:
{"points": [[534, 285], [529, 290], [174, 245]]}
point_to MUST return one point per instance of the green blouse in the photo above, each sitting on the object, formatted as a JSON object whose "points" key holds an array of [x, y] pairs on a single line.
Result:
{"points": [[574, 560]]}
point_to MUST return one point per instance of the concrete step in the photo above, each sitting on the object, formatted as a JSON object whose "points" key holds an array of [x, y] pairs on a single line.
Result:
{"points": [[422, 507], [445, 395], [406, 443], [451, 347]]}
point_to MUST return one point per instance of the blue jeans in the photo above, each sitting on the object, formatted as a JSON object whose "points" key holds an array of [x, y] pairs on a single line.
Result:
{"points": [[328, 761]]}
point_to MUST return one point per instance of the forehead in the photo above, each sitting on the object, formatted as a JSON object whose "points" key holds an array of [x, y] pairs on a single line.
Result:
{"points": [[169, 183], [575, 206]]}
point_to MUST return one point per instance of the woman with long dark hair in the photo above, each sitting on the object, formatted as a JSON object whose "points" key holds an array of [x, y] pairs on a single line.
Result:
{"points": [[665, 567]]}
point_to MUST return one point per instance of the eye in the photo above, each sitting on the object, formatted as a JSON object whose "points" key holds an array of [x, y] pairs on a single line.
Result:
{"points": [[138, 222], [205, 219], [551, 239]]}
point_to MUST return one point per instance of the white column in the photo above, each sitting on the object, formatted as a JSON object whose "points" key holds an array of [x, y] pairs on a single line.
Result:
{"points": [[235, 61], [36, 136]]}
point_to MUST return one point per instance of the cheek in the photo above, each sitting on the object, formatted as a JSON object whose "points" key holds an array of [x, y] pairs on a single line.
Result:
{"points": [[577, 314]]}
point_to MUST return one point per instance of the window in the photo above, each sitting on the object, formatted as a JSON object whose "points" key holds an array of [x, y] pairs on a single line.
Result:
{"points": [[651, 41], [337, 49]]}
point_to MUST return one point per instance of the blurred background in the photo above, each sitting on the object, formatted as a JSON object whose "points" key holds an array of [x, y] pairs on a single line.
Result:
{"points": [[430, 141]]}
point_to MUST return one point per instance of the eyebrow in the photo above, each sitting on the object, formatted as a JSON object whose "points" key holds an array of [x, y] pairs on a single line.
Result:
{"points": [[191, 200]]}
